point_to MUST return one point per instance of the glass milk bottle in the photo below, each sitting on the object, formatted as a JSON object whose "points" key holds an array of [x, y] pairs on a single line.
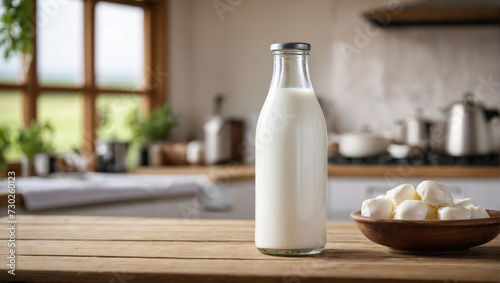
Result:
{"points": [[290, 160]]}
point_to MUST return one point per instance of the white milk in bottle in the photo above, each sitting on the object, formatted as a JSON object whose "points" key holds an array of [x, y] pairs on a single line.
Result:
{"points": [[291, 160]]}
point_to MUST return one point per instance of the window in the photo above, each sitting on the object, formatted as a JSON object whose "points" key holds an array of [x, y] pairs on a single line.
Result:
{"points": [[60, 42], [119, 45], [90, 56], [112, 112], [10, 116], [64, 111], [11, 68]]}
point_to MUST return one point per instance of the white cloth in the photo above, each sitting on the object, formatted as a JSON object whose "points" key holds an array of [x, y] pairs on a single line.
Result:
{"points": [[89, 188]]}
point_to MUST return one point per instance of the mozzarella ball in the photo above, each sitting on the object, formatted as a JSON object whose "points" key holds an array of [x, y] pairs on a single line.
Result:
{"points": [[431, 212], [378, 207], [435, 194], [402, 193], [478, 212], [466, 202], [453, 213], [411, 210]]}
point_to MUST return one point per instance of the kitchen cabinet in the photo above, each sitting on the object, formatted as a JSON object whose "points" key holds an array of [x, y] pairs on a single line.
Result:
{"points": [[222, 200], [232, 200], [346, 195], [236, 199], [349, 185]]}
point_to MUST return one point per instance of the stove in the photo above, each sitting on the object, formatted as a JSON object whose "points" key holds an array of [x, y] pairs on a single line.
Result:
{"points": [[421, 159]]}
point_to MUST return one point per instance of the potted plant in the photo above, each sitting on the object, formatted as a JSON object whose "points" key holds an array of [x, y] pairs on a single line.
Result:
{"points": [[5, 143], [17, 29], [152, 132], [33, 140]]}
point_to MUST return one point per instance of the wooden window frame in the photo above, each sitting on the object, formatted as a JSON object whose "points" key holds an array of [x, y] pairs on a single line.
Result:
{"points": [[153, 91]]}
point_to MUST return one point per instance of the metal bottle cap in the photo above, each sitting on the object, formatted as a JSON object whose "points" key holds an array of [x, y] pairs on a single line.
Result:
{"points": [[291, 45]]}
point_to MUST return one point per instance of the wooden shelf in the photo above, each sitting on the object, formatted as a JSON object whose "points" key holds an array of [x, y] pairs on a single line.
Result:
{"points": [[409, 171], [437, 12]]}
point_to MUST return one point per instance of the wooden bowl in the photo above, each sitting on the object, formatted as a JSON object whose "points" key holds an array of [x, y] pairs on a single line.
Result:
{"points": [[175, 153], [429, 236]]}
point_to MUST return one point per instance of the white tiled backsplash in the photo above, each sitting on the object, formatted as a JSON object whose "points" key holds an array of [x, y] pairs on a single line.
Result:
{"points": [[388, 73], [402, 69]]}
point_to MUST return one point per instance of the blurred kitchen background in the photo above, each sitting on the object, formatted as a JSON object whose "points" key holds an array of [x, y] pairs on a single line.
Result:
{"points": [[148, 108]]}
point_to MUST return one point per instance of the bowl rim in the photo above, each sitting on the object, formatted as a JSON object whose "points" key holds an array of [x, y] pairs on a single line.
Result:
{"points": [[493, 219]]}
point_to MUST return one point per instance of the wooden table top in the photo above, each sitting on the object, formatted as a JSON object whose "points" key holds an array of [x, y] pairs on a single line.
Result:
{"points": [[108, 249]]}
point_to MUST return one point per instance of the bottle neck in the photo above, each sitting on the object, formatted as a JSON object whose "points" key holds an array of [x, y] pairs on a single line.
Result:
{"points": [[291, 69]]}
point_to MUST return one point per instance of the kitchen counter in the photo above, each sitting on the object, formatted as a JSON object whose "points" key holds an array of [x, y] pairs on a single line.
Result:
{"points": [[109, 249], [235, 172], [73, 189]]}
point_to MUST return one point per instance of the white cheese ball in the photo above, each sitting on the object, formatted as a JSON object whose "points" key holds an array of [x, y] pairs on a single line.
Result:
{"points": [[478, 212], [435, 194], [378, 207], [385, 196], [466, 202], [431, 212], [402, 193], [453, 213], [411, 210]]}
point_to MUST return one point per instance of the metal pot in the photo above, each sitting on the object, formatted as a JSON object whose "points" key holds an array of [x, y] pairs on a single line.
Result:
{"points": [[111, 155], [362, 144], [415, 130], [468, 130]]}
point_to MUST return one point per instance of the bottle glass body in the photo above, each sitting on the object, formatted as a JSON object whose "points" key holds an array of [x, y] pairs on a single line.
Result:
{"points": [[291, 162]]}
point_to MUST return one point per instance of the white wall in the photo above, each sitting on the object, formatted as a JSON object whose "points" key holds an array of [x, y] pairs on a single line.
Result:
{"points": [[180, 67], [391, 72]]}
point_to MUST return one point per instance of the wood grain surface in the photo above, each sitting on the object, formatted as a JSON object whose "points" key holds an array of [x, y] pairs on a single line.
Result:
{"points": [[107, 249]]}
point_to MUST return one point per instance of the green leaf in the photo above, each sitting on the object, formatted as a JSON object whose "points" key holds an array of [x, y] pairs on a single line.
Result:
{"points": [[154, 127], [17, 27], [35, 139]]}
